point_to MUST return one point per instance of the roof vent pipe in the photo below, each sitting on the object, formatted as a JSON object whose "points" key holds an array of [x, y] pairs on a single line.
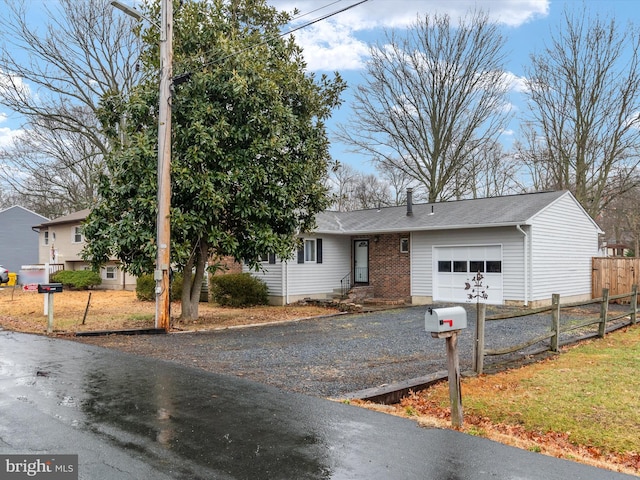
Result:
{"points": [[409, 202]]}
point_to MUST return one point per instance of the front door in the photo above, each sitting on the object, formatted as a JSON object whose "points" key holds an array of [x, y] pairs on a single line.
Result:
{"points": [[361, 261]]}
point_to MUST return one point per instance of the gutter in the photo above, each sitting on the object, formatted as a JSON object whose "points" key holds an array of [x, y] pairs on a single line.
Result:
{"points": [[526, 264], [413, 228]]}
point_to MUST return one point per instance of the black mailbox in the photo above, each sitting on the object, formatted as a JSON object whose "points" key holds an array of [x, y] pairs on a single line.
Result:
{"points": [[49, 287]]}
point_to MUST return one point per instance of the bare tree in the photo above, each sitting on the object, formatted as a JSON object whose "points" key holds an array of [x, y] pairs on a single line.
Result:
{"points": [[354, 190], [340, 184], [620, 219], [54, 77], [492, 172], [584, 92], [54, 170], [399, 182], [431, 99], [533, 157], [371, 192]]}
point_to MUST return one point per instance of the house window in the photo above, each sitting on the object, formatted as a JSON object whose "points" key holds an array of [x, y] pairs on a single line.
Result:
{"points": [[309, 251], [77, 235], [268, 258], [49, 237], [110, 273], [404, 245]]}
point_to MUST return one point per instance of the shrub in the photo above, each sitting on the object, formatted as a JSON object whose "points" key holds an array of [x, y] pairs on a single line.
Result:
{"points": [[77, 279], [238, 290], [146, 288]]}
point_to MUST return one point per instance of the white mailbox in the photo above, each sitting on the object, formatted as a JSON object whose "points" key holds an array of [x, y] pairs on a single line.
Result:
{"points": [[445, 319]]}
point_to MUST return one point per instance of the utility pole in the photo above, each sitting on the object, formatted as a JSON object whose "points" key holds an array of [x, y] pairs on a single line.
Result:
{"points": [[163, 220], [163, 259]]}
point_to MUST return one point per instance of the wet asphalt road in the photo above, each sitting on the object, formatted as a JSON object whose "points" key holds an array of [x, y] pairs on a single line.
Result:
{"points": [[129, 417], [329, 357]]}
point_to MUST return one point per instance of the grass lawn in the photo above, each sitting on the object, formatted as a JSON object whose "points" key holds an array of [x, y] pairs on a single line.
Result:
{"points": [[583, 404]]}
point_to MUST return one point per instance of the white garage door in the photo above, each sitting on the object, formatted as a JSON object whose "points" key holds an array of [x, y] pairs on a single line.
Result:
{"points": [[455, 268]]}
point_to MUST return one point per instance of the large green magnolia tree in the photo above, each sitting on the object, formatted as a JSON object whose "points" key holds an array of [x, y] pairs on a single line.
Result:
{"points": [[250, 150]]}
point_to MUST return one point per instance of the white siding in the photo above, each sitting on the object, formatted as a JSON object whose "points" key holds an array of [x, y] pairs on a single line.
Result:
{"points": [[291, 280], [563, 241], [315, 279], [271, 274], [422, 261]]}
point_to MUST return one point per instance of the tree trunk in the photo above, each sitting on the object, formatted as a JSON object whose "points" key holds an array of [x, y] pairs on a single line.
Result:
{"points": [[192, 282]]}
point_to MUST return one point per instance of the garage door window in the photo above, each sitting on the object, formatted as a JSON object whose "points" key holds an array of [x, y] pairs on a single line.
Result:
{"points": [[459, 266], [444, 266], [476, 266], [456, 265], [494, 266]]}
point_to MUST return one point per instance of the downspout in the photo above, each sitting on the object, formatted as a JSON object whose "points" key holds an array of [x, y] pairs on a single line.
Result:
{"points": [[526, 265], [285, 278]]}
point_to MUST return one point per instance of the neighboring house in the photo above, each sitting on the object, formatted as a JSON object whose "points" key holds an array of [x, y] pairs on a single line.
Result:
{"points": [[613, 249], [18, 241], [528, 247], [61, 242]]}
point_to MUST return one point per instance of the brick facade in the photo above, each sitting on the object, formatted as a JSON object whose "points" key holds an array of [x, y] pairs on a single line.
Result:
{"points": [[389, 269], [229, 265]]}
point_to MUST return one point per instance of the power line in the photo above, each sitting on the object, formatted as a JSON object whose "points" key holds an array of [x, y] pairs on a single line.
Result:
{"points": [[185, 76], [316, 10]]}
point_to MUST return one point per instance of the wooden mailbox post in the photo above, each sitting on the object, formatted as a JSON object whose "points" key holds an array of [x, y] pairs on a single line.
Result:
{"points": [[49, 289], [447, 323]]}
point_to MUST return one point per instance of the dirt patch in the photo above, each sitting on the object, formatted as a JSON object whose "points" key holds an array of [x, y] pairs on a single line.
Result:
{"points": [[77, 311]]}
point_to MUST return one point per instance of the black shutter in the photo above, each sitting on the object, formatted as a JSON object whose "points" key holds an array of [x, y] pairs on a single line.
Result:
{"points": [[272, 258], [301, 254], [319, 250]]}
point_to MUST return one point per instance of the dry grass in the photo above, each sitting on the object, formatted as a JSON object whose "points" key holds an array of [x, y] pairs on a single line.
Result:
{"points": [[117, 310]]}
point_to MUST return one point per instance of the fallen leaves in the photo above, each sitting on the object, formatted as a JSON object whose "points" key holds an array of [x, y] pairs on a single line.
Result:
{"points": [[118, 310], [431, 413]]}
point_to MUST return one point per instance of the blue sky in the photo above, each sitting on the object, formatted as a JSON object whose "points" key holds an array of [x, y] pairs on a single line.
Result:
{"points": [[342, 42]]}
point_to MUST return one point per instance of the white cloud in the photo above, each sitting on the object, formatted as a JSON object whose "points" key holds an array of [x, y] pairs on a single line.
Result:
{"points": [[337, 43], [10, 83], [7, 134], [402, 13], [516, 84], [331, 46]]}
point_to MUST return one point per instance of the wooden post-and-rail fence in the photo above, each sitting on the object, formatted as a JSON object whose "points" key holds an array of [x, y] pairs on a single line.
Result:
{"points": [[556, 328]]}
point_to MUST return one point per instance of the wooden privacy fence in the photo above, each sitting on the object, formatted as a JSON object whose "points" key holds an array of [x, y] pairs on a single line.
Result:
{"points": [[556, 328], [617, 274]]}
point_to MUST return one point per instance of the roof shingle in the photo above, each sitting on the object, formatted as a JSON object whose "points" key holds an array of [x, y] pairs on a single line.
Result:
{"points": [[474, 213]]}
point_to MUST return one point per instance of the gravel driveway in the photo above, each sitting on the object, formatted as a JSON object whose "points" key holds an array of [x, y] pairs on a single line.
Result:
{"points": [[326, 356], [329, 356]]}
